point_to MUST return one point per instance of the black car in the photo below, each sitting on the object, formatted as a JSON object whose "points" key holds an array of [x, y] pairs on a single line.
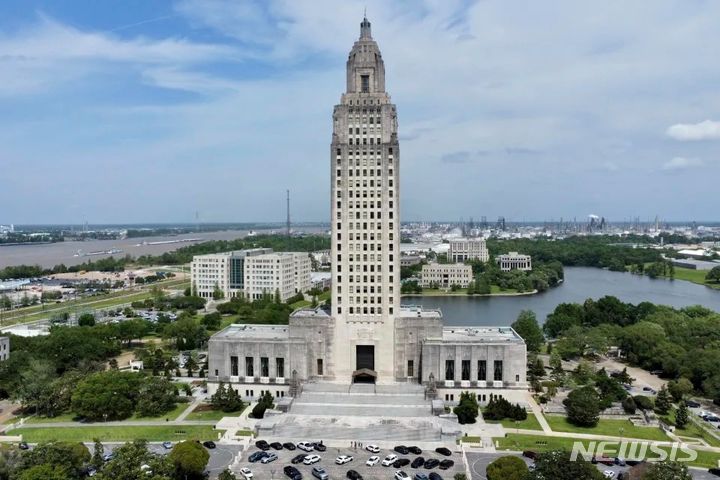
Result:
{"points": [[414, 450], [257, 456], [298, 458], [431, 463], [714, 471], [353, 475], [401, 462], [319, 446], [23, 446], [445, 464], [292, 472], [209, 444], [262, 445], [402, 450], [434, 476], [692, 404], [443, 451], [277, 445], [288, 446], [418, 462]]}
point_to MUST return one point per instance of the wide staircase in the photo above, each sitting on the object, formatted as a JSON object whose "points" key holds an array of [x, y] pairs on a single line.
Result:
{"points": [[360, 412]]}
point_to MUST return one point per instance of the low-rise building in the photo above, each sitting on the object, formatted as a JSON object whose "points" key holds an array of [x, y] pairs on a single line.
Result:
{"points": [[410, 260], [224, 271], [514, 261], [693, 264], [468, 249], [4, 348], [444, 275], [320, 280], [285, 273]]}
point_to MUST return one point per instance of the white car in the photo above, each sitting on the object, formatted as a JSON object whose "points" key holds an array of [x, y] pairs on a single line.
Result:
{"points": [[389, 460], [343, 459], [373, 449], [609, 474], [400, 475], [246, 473], [372, 461], [305, 446], [310, 459]]}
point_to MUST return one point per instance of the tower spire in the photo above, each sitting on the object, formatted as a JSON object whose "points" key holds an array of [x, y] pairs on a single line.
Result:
{"points": [[365, 33]]}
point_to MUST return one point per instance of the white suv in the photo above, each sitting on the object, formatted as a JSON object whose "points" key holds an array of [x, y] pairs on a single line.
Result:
{"points": [[400, 475], [389, 460], [305, 446], [343, 459], [372, 461], [373, 449], [310, 459]]}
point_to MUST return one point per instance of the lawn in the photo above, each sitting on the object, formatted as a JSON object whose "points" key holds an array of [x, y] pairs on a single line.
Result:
{"points": [[202, 414], [541, 443], [691, 275], [530, 423], [608, 427], [436, 292], [692, 430], [70, 417], [118, 433]]}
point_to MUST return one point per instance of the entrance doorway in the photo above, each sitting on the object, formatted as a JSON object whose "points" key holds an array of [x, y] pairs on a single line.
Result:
{"points": [[364, 364]]}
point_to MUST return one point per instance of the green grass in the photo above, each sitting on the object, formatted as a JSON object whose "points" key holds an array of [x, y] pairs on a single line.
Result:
{"points": [[437, 292], [172, 414], [691, 275], [541, 443], [118, 433], [300, 304], [70, 417], [213, 415], [692, 430], [530, 423], [608, 427]]}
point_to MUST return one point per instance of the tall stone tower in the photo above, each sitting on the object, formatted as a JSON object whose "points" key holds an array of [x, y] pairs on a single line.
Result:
{"points": [[365, 219]]}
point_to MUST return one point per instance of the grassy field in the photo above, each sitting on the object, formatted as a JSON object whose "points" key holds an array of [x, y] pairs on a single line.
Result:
{"points": [[530, 423], [118, 433], [541, 444], [70, 417], [213, 415], [692, 430], [608, 427], [690, 275]]}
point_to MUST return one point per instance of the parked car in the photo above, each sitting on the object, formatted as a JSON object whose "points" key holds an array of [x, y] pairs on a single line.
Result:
{"points": [[609, 474], [415, 450], [23, 446], [246, 473], [420, 476], [277, 445], [270, 457], [343, 459], [292, 472], [319, 446], [443, 451], [257, 456], [445, 464], [310, 459], [402, 450], [620, 461], [262, 445], [320, 473], [401, 462], [400, 475], [167, 445], [389, 460], [109, 456], [434, 476], [305, 446], [418, 462], [714, 471], [298, 458], [431, 463], [531, 454], [209, 444], [373, 449], [372, 461], [353, 475], [692, 404], [288, 446]]}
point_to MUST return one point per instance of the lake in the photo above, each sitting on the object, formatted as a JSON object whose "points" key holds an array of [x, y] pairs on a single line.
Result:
{"points": [[580, 283]]}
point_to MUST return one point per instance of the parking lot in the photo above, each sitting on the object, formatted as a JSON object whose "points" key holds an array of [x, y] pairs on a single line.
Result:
{"points": [[274, 470]]}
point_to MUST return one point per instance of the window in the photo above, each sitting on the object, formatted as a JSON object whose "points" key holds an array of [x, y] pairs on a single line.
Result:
{"points": [[449, 369], [482, 370], [320, 366], [264, 367], [249, 370], [234, 366], [365, 83], [498, 371], [410, 368], [465, 370], [279, 367]]}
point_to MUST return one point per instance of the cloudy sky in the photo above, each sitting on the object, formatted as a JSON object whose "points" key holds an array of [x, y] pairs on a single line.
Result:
{"points": [[139, 111]]}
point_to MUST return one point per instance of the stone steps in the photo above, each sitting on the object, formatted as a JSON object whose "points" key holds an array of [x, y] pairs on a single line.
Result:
{"points": [[360, 410], [292, 427], [362, 399]]}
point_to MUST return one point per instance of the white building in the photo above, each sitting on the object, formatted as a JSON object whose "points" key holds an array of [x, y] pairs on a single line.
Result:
{"points": [[225, 271], [514, 261], [445, 275], [4, 348], [287, 273], [468, 249]]}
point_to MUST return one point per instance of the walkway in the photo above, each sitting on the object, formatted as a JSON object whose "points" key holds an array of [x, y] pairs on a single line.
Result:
{"points": [[537, 411]]}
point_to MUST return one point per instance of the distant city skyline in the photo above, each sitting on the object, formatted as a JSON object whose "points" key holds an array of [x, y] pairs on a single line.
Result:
{"points": [[146, 112]]}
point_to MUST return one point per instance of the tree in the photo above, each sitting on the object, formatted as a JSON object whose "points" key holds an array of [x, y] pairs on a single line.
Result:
{"points": [[227, 399], [218, 294], [681, 416], [157, 395], [507, 468], [679, 388], [212, 321], [86, 320], [70, 457], [109, 395], [191, 364], [663, 401], [557, 465], [713, 275], [643, 402], [34, 389], [226, 475], [667, 471], [629, 406], [258, 410], [128, 464], [189, 459], [97, 460], [583, 407], [468, 409], [527, 327], [45, 472]]}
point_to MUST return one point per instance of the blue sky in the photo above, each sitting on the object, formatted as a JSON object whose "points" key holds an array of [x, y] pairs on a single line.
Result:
{"points": [[146, 111]]}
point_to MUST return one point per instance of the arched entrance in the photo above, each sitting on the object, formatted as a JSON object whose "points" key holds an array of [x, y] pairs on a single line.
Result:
{"points": [[364, 375]]}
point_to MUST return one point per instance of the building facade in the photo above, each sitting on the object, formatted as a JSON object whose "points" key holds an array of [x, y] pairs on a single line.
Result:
{"points": [[366, 335], [283, 273], [445, 275], [468, 249], [225, 271], [4, 348], [514, 261]]}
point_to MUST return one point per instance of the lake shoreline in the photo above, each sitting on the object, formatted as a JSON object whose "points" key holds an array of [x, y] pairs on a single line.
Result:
{"points": [[463, 294]]}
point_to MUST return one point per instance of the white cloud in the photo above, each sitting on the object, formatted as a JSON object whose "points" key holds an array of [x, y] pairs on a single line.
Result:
{"points": [[707, 130], [682, 163]]}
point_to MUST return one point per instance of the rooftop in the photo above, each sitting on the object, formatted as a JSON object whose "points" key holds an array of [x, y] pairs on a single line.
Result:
{"points": [[419, 311], [481, 335], [259, 332]]}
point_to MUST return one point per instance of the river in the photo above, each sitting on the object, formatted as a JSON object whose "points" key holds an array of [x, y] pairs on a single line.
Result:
{"points": [[580, 283]]}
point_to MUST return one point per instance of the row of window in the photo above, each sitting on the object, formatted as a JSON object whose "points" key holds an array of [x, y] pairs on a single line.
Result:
{"points": [[264, 366], [365, 162], [481, 370], [364, 141], [365, 278], [366, 300], [373, 172]]}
